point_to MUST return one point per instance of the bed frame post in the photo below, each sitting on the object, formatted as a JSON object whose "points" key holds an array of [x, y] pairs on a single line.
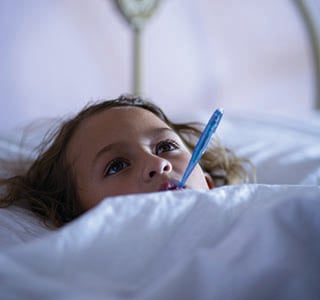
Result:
{"points": [[136, 13], [137, 62], [306, 14]]}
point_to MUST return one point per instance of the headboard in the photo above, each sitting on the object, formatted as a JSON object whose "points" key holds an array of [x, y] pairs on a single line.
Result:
{"points": [[137, 13], [306, 12]]}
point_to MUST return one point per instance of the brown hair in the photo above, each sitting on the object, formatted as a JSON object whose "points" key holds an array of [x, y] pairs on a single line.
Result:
{"points": [[48, 186]]}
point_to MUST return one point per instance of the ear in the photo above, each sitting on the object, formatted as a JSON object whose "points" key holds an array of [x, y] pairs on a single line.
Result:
{"points": [[209, 180]]}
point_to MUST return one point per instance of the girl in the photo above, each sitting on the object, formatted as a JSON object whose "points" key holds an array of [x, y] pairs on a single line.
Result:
{"points": [[122, 146]]}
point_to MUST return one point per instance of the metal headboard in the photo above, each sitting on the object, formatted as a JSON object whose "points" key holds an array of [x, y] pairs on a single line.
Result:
{"points": [[137, 12], [314, 38]]}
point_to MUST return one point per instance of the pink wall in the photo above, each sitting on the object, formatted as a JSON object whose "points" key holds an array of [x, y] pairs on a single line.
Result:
{"points": [[58, 55]]}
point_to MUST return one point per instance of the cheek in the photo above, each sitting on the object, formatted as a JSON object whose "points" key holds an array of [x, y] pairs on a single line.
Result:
{"points": [[184, 159], [92, 194], [88, 198], [198, 178]]}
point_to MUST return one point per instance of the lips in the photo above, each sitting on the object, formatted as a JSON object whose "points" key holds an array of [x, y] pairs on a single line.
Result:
{"points": [[171, 185]]}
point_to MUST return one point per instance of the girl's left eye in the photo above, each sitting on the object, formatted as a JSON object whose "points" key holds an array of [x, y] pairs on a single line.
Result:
{"points": [[166, 146]]}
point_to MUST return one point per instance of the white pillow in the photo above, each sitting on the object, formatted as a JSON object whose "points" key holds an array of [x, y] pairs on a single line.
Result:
{"points": [[18, 225], [283, 150]]}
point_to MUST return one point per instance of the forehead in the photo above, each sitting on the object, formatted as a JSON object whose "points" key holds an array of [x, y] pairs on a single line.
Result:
{"points": [[110, 124], [122, 118]]}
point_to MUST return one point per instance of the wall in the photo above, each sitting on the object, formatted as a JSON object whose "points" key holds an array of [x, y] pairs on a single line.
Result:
{"points": [[246, 56]]}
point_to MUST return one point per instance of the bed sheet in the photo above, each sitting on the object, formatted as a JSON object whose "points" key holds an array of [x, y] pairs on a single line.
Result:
{"points": [[236, 242]]}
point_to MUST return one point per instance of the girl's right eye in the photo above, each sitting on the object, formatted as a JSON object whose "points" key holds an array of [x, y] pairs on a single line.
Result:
{"points": [[115, 166]]}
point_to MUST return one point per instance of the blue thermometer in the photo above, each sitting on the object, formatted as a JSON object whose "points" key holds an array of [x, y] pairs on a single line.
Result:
{"points": [[202, 144]]}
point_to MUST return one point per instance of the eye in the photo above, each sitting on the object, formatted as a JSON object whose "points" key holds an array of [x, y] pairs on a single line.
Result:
{"points": [[115, 166], [166, 146]]}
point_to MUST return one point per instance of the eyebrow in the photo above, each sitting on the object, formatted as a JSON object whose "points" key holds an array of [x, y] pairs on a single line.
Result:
{"points": [[104, 150], [109, 147]]}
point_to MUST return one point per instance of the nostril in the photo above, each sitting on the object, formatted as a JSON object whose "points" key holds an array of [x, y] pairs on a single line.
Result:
{"points": [[152, 173], [167, 168]]}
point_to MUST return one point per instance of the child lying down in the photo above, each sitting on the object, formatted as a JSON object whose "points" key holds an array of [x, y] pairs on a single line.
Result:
{"points": [[115, 147]]}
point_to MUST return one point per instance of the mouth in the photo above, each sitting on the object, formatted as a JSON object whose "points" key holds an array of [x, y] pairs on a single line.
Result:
{"points": [[171, 185]]}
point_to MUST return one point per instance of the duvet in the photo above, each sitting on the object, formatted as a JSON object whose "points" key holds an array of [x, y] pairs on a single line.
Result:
{"points": [[250, 241]]}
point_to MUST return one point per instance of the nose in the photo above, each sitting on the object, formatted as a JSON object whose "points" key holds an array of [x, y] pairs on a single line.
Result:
{"points": [[154, 166]]}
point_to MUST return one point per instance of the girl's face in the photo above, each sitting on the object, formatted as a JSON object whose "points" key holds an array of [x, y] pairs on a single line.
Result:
{"points": [[127, 150]]}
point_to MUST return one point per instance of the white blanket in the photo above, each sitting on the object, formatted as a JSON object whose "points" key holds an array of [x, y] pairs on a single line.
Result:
{"points": [[236, 242]]}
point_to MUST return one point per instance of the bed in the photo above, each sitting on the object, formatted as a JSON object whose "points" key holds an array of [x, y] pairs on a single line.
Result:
{"points": [[259, 240]]}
